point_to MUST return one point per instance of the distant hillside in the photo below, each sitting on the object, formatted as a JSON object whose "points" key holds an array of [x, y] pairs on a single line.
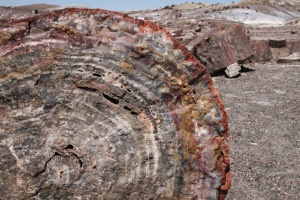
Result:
{"points": [[36, 6], [273, 2]]}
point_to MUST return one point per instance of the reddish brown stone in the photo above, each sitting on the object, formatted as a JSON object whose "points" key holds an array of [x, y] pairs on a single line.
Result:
{"points": [[98, 105], [295, 46], [262, 51], [222, 48]]}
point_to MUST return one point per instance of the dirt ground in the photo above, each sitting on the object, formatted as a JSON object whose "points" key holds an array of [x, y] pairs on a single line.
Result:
{"points": [[263, 105]]}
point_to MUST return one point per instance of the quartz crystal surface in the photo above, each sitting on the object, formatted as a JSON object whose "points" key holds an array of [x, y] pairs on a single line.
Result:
{"points": [[98, 105]]}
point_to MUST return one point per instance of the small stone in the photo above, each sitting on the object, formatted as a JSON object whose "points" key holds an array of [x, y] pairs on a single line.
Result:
{"points": [[177, 32], [233, 70], [198, 29]]}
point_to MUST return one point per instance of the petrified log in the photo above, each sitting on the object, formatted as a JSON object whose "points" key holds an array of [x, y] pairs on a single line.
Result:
{"points": [[215, 43], [294, 57], [221, 48], [295, 46], [98, 105], [261, 50]]}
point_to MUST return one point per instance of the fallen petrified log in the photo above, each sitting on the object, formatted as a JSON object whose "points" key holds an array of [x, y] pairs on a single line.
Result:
{"points": [[98, 105], [221, 48], [294, 57], [216, 43], [262, 50]]}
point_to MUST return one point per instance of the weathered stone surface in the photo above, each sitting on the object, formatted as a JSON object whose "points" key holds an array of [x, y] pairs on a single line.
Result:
{"points": [[281, 44], [97, 105], [222, 48], [295, 46], [233, 70], [12, 13], [262, 51], [215, 44], [295, 57], [263, 21]]}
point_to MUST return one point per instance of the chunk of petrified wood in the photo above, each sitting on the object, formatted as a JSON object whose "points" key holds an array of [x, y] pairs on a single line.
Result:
{"points": [[98, 105], [221, 48]]}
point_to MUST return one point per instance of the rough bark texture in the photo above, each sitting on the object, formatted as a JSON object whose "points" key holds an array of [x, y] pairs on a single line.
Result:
{"points": [[97, 105]]}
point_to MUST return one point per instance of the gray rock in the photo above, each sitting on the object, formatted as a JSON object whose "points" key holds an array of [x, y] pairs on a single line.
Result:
{"points": [[233, 70]]}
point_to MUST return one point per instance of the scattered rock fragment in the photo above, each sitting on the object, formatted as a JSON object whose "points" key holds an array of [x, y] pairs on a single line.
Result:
{"points": [[176, 32], [198, 29], [233, 70], [295, 57]]}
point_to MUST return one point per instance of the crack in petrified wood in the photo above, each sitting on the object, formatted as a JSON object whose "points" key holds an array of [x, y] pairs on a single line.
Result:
{"points": [[96, 104]]}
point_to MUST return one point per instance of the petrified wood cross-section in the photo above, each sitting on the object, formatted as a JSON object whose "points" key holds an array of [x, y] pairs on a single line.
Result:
{"points": [[98, 105]]}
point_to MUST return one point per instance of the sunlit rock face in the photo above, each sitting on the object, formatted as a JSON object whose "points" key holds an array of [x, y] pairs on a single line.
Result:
{"points": [[98, 105]]}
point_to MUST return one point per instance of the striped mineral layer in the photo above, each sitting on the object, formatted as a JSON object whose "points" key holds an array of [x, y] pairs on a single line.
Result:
{"points": [[98, 105]]}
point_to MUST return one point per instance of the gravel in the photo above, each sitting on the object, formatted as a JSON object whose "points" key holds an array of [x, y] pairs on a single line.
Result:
{"points": [[263, 105]]}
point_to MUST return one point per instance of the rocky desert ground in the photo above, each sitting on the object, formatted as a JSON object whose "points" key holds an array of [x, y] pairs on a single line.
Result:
{"points": [[251, 49], [263, 108]]}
